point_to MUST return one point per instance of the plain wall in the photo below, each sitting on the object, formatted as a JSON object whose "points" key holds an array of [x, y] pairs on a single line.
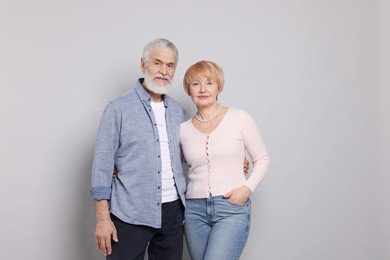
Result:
{"points": [[313, 74]]}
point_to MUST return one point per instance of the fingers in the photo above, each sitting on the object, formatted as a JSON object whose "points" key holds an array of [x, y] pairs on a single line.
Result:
{"points": [[239, 196], [115, 172], [104, 245], [227, 195], [246, 166], [105, 231], [237, 201], [107, 247], [233, 197], [114, 235]]}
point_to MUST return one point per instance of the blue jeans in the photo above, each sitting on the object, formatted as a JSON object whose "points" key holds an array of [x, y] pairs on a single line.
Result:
{"points": [[215, 228]]}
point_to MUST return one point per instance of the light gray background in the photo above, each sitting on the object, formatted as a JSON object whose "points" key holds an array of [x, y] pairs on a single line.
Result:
{"points": [[313, 74]]}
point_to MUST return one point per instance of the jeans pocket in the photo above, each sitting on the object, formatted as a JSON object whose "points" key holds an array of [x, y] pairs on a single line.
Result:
{"points": [[237, 205]]}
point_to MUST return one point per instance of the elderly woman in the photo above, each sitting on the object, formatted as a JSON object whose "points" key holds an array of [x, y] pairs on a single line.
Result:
{"points": [[213, 142]]}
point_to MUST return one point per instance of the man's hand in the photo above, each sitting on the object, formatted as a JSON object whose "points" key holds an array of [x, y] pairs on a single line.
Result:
{"points": [[105, 228], [246, 166], [239, 196]]}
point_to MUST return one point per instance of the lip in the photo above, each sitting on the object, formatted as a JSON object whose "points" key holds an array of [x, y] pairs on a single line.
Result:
{"points": [[202, 97], [164, 79]]}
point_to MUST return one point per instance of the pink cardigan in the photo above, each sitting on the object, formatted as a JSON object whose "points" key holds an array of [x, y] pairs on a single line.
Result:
{"points": [[216, 159]]}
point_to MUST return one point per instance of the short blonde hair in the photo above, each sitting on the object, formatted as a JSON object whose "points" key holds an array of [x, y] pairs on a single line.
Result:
{"points": [[204, 69]]}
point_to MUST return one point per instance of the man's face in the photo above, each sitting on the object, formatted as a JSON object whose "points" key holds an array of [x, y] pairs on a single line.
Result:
{"points": [[159, 70]]}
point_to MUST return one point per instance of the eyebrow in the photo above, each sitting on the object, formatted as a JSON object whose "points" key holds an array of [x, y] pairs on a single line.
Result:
{"points": [[158, 60]]}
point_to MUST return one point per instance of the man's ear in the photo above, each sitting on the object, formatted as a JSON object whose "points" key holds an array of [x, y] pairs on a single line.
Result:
{"points": [[142, 64]]}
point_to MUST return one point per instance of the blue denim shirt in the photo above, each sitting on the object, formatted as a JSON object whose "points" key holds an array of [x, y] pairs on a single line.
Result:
{"points": [[128, 138]]}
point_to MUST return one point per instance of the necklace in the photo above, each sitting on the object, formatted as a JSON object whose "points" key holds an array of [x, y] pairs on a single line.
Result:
{"points": [[207, 120]]}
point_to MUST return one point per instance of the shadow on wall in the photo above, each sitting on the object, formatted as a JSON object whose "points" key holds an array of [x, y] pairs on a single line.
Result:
{"points": [[86, 220]]}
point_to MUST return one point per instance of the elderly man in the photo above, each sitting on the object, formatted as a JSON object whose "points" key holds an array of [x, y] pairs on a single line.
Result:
{"points": [[142, 206]]}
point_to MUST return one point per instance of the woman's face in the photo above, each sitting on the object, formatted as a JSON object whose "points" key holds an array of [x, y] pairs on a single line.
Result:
{"points": [[203, 92]]}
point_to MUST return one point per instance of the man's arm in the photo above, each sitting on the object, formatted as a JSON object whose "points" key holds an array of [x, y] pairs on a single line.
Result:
{"points": [[105, 228]]}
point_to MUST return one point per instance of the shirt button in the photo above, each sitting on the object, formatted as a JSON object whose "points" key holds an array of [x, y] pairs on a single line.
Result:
{"points": [[158, 187], [157, 140], [158, 172], [158, 204], [158, 156]]}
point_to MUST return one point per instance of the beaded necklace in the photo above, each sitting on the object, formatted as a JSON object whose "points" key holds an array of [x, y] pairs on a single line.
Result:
{"points": [[207, 120]]}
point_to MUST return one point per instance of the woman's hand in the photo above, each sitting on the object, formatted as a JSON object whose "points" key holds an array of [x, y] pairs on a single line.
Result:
{"points": [[239, 196]]}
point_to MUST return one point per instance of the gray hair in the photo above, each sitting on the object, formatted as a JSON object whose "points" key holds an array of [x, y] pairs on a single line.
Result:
{"points": [[159, 43]]}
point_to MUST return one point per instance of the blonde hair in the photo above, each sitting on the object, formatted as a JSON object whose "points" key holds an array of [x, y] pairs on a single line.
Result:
{"points": [[204, 69]]}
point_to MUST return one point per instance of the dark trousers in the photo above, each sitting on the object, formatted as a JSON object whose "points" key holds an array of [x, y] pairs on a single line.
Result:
{"points": [[165, 243]]}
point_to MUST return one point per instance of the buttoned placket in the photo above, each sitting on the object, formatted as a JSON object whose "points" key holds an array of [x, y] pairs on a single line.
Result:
{"points": [[169, 132], [208, 163], [156, 136]]}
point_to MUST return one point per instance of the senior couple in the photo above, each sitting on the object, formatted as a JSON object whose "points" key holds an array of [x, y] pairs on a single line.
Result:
{"points": [[146, 136]]}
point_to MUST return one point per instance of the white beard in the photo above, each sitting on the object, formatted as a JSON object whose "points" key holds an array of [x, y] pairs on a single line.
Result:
{"points": [[156, 88]]}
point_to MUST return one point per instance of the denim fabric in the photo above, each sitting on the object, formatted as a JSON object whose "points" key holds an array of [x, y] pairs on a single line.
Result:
{"points": [[128, 138], [215, 228]]}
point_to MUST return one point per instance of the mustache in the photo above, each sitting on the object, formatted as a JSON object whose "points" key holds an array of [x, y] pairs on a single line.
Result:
{"points": [[150, 78], [161, 76]]}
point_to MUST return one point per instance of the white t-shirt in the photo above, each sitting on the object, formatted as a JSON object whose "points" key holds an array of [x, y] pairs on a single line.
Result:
{"points": [[169, 192]]}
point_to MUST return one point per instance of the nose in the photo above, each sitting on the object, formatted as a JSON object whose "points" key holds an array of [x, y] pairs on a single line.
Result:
{"points": [[202, 87], [163, 70]]}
